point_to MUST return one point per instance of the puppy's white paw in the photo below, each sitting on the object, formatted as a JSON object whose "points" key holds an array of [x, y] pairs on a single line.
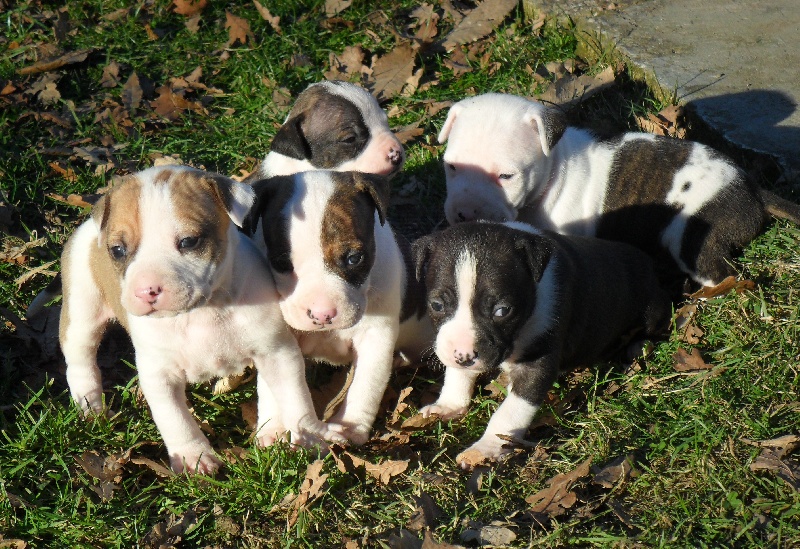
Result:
{"points": [[91, 403], [270, 434], [483, 452], [352, 433], [195, 458], [443, 410]]}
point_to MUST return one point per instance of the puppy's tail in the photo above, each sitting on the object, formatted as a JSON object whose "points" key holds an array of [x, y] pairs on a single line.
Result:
{"points": [[780, 207], [52, 291]]}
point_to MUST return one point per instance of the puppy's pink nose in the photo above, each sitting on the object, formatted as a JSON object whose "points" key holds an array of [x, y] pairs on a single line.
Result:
{"points": [[148, 294], [320, 317]]}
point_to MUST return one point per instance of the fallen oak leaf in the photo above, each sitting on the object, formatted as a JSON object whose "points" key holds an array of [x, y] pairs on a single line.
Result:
{"points": [[689, 362], [332, 7], [189, 8], [616, 471], [479, 22], [730, 283], [426, 514], [773, 457], [157, 468], [570, 90], [392, 71], [70, 58], [273, 20], [382, 472], [238, 30], [418, 422], [311, 489], [554, 500]]}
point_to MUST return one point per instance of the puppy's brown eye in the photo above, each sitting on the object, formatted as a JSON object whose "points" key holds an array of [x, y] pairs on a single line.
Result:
{"points": [[436, 305], [353, 259], [188, 243], [348, 139], [505, 176], [502, 311], [452, 167], [118, 252]]}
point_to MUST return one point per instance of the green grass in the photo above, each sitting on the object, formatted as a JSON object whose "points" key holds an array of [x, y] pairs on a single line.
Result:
{"points": [[687, 433]]}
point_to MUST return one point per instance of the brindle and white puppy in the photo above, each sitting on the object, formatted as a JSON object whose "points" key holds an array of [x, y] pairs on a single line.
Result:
{"points": [[532, 303], [345, 286], [161, 255], [679, 199], [337, 126]]}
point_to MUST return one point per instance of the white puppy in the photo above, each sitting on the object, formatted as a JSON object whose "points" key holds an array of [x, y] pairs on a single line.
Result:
{"points": [[509, 158], [345, 284], [161, 256]]}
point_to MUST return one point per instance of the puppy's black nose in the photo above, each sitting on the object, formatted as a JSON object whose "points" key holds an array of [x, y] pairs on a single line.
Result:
{"points": [[395, 156], [465, 359]]}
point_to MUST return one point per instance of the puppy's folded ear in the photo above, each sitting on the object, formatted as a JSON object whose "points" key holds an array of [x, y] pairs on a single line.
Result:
{"points": [[378, 188], [291, 141], [550, 125], [448, 124], [266, 193], [420, 254], [536, 252], [237, 198]]}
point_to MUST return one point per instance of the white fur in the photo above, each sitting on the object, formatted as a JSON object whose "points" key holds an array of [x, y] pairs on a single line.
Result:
{"points": [[562, 189], [369, 328], [237, 321]]}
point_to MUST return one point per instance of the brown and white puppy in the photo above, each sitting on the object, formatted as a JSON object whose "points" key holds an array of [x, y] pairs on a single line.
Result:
{"points": [[162, 256], [343, 280], [532, 303], [677, 200], [337, 126]]}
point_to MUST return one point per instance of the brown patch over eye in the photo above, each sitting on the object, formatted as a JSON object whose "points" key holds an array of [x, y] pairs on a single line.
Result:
{"points": [[348, 239]]}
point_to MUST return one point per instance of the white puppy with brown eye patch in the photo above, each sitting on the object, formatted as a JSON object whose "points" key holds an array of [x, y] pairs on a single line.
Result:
{"points": [[337, 126], [532, 303], [162, 256], [682, 202], [345, 283]]}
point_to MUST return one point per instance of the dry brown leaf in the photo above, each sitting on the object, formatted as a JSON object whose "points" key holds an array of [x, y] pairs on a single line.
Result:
{"points": [[418, 422], [774, 457], [429, 542], [189, 8], [80, 200], [569, 90], [558, 496], [457, 62], [238, 30], [332, 7], [132, 92], [273, 20], [110, 78], [66, 173], [689, 362], [473, 459], [169, 532], [52, 64], [396, 418], [310, 490], [192, 24], [404, 134], [391, 71], [382, 472], [730, 283], [12, 543], [250, 413], [347, 65], [616, 471], [426, 514], [496, 534], [479, 22], [668, 122], [157, 468], [427, 20], [692, 334]]}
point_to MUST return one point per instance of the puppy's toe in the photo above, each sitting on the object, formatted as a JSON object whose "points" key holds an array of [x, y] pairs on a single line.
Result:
{"points": [[444, 411], [351, 433], [270, 434], [483, 452], [204, 463]]}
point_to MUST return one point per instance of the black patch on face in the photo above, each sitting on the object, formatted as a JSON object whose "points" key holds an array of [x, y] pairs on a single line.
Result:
{"points": [[323, 128], [271, 197], [508, 265]]}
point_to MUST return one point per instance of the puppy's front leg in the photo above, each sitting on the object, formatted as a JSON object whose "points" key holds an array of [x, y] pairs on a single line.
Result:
{"points": [[284, 400], [527, 390], [453, 401], [164, 388], [374, 356]]}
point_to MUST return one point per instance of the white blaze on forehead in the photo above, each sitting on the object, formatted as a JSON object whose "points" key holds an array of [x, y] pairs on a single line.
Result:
{"points": [[374, 116], [457, 335], [466, 281]]}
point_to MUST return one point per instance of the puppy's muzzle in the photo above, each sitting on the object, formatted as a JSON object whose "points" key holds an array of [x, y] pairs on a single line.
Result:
{"points": [[321, 317], [395, 156]]}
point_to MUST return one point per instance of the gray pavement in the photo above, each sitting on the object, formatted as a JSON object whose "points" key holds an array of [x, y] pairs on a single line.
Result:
{"points": [[734, 63]]}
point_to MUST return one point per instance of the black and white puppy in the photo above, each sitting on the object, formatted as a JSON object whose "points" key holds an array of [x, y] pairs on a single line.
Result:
{"points": [[533, 303], [337, 126], [346, 288], [677, 199]]}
